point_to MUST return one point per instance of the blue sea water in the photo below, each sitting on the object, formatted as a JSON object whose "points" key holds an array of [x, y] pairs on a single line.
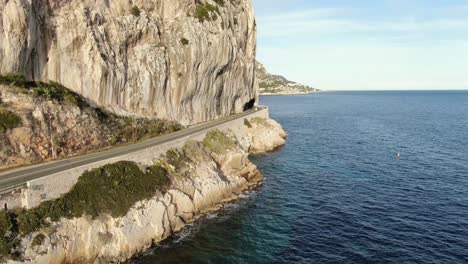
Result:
{"points": [[337, 193]]}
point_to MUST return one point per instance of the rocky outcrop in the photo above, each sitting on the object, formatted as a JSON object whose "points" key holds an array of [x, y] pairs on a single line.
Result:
{"points": [[184, 60], [50, 129], [276, 84], [203, 177], [265, 135]]}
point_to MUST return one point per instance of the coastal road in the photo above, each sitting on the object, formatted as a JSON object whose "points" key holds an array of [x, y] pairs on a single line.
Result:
{"points": [[12, 179]]}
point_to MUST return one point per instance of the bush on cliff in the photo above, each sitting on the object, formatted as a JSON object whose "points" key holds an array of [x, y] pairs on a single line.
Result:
{"points": [[218, 142], [15, 79], [129, 129], [8, 120], [58, 92], [247, 123], [112, 189], [50, 91], [191, 152], [206, 12], [8, 235], [135, 11], [260, 121]]}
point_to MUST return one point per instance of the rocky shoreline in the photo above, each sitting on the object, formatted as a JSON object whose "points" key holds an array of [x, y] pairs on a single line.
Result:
{"points": [[203, 176]]}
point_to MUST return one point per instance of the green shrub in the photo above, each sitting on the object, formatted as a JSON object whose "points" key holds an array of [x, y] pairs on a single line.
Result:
{"points": [[202, 13], [184, 41], [135, 11], [8, 120], [220, 2], [247, 123], [180, 159], [8, 235], [133, 129], [14, 79], [51, 90], [58, 92], [260, 121], [38, 240], [112, 189], [206, 12], [218, 142]]}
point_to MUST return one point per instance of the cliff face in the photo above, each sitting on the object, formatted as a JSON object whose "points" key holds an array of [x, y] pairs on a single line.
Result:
{"points": [[276, 84], [183, 60]]}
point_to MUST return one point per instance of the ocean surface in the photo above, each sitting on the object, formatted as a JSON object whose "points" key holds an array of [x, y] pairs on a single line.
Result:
{"points": [[337, 193]]}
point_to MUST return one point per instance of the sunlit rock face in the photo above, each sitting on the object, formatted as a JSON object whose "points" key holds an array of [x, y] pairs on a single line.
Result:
{"points": [[171, 59]]}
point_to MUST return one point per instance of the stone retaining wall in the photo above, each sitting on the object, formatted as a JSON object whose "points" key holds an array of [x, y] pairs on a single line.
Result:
{"points": [[53, 186]]}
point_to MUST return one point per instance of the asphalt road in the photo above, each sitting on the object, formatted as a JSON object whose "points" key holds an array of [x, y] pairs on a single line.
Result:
{"points": [[15, 178]]}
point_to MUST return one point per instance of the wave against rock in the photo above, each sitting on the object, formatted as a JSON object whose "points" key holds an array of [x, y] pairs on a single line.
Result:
{"points": [[183, 60]]}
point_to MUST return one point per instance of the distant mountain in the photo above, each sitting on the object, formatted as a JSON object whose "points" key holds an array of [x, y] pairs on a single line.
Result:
{"points": [[277, 84]]}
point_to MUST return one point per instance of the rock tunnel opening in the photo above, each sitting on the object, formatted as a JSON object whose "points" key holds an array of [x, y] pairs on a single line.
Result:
{"points": [[249, 105]]}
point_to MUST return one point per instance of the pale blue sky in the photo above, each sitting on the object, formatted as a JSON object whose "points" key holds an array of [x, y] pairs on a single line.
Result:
{"points": [[366, 44]]}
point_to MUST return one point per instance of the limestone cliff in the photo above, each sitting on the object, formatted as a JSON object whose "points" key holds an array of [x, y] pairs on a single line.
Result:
{"points": [[184, 60], [202, 176]]}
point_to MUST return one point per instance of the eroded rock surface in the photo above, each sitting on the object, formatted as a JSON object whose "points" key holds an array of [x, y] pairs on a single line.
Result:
{"points": [[266, 135], [183, 60], [200, 182], [203, 176], [50, 129]]}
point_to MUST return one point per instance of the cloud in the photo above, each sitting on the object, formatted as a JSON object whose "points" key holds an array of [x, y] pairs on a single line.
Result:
{"points": [[366, 45], [328, 21], [302, 14], [367, 66]]}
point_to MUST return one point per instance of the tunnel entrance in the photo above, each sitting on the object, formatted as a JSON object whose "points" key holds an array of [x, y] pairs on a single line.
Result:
{"points": [[249, 105]]}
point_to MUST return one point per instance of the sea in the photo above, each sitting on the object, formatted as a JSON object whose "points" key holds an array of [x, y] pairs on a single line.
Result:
{"points": [[365, 177]]}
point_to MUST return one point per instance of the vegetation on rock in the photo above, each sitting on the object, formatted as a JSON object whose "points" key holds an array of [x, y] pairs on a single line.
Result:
{"points": [[8, 235], [38, 240], [8, 120], [207, 12], [247, 123], [51, 91], [59, 126], [112, 189], [260, 121], [220, 2], [218, 142], [135, 11], [191, 152], [184, 41]]}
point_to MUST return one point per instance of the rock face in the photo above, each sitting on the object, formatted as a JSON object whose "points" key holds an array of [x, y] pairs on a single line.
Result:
{"points": [[266, 135], [184, 60], [50, 129], [202, 181], [277, 84]]}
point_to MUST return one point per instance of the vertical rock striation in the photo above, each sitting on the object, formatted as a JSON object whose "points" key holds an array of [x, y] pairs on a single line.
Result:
{"points": [[184, 60]]}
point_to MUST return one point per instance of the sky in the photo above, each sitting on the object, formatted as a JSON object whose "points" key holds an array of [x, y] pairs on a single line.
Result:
{"points": [[366, 44]]}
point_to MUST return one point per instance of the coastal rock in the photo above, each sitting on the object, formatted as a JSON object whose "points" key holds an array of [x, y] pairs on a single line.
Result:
{"points": [[184, 60], [265, 135], [207, 183]]}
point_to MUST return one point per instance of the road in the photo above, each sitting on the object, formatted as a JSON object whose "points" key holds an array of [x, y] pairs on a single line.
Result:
{"points": [[15, 178]]}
